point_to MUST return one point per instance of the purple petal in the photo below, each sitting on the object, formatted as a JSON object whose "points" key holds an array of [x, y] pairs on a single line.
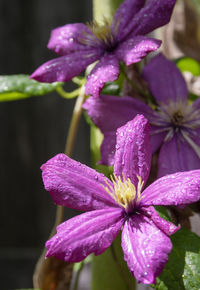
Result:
{"points": [[156, 13], [196, 104], [177, 155], [64, 68], [145, 248], [180, 188], [124, 15], [91, 232], [136, 48], [167, 227], [104, 112], [75, 185], [156, 138], [108, 148], [165, 80], [133, 152], [106, 70], [67, 39]]}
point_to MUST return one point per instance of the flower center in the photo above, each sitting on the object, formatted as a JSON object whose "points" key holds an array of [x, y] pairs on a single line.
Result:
{"points": [[102, 32], [123, 191], [177, 118], [103, 35], [177, 114]]}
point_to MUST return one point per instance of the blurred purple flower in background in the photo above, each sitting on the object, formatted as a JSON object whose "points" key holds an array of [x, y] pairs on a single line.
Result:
{"points": [[119, 204], [175, 124], [123, 40]]}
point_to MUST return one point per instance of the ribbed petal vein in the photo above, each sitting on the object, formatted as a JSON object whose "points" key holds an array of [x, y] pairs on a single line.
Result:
{"points": [[145, 248], [133, 151], [180, 188], [75, 185], [91, 232]]}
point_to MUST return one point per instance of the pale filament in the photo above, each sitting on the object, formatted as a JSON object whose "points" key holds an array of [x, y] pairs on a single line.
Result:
{"points": [[124, 192]]}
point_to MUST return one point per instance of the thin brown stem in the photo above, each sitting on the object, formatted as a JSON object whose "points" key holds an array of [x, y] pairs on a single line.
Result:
{"points": [[70, 144], [74, 122], [78, 276]]}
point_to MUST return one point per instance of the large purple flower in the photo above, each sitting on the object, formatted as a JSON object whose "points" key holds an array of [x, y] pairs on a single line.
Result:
{"points": [[175, 124], [123, 40], [120, 204]]}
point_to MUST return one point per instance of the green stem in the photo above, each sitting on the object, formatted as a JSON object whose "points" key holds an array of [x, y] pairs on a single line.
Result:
{"points": [[104, 9], [78, 276], [134, 86], [121, 269], [67, 95], [74, 122]]}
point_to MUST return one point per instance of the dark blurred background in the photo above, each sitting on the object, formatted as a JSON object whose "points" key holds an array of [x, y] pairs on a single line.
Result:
{"points": [[32, 131]]}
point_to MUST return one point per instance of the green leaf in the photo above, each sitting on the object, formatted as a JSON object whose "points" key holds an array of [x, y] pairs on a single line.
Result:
{"points": [[111, 89], [162, 210], [189, 64], [114, 88], [16, 87], [192, 98], [182, 272]]}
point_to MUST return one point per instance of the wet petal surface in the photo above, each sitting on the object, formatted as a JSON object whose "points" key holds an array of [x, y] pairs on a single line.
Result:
{"points": [[104, 112], [75, 185], [156, 13], [106, 70], [145, 248], [91, 232], [133, 151], [64, 68], [167, 227], [180, 188], [67, 39], [136, 48], [122, 23]]}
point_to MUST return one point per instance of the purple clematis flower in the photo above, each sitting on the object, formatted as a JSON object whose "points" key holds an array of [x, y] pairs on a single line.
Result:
{"points": [[121, 203], [123, 40], [175, 124]]}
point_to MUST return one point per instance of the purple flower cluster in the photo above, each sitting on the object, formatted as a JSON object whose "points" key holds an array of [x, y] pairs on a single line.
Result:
{"points": [[122, 40], [123, 204]]}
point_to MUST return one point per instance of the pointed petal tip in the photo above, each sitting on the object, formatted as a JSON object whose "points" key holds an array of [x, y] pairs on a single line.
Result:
{"points": [[133, 151], [91, 232], [75, 185], [145, 247]]}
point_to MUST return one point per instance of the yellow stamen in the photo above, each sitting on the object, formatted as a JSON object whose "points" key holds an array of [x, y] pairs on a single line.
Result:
{"points": [[124, 192]]}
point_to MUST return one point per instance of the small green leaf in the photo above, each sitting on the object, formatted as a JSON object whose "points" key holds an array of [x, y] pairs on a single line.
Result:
{"points": [[111, 89], [16, 87], [192, 97], [189, 64], [182, 272], [162, 210]]}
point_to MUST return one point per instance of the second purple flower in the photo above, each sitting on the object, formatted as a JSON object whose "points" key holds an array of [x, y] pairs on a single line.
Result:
{"points": [[122, 40], [175, 123]]}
